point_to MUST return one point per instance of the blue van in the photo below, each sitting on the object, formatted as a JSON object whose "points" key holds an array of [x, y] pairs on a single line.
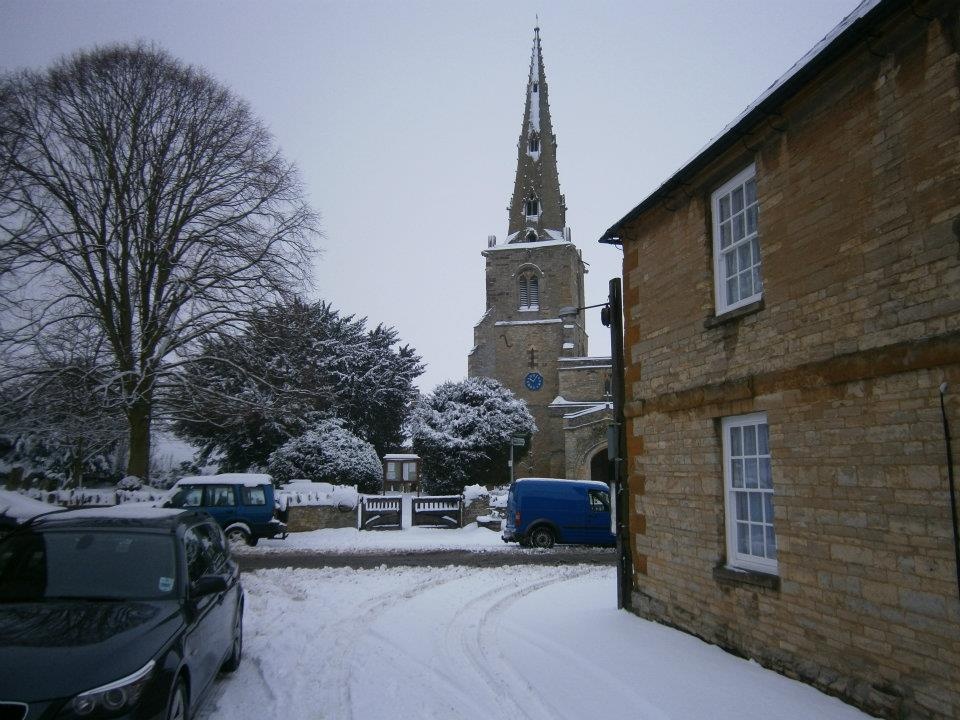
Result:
{"points": [[544, 511], [242, 503]]}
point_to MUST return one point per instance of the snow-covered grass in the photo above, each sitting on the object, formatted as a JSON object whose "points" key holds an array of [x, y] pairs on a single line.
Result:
{"points": [[531, 643], [411, 539]]}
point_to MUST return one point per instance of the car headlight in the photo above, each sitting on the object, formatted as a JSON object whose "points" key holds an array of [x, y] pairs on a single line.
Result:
{"points": [[115, 696]]}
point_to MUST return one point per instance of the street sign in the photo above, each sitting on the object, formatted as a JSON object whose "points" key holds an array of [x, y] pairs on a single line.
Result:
{"points": [[518, 441]]}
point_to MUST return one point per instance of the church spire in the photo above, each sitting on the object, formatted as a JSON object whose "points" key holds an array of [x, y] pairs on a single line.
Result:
{"points": [[537, 209]]}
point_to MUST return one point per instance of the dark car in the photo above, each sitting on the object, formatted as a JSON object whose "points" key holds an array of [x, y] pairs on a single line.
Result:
{"points": [[116, 613]]}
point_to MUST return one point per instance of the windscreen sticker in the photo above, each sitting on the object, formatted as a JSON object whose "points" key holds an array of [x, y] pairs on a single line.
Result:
{"points": [[166, 584]]}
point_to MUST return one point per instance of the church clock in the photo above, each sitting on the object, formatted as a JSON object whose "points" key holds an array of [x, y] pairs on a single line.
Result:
{"points": [[533, 381]]}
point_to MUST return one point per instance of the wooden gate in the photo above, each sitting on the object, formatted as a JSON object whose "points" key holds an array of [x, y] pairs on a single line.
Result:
{"points": [[441, 511], [380, 513]]}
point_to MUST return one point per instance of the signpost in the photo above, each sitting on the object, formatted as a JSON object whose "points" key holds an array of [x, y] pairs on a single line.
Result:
{"points": [[515, 442]]}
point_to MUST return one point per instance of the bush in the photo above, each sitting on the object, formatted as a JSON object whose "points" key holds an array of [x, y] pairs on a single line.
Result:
{"points": [[328, 453], [130, 482]]}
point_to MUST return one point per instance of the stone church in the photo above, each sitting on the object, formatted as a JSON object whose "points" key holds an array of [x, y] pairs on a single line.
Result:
{"points": [[531, 278]]}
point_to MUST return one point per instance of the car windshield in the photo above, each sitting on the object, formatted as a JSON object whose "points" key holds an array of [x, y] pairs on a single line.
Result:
{"points": [[87, 564]]}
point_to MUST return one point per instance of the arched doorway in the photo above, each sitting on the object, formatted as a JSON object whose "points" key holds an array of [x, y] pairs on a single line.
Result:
{"points": [[600, 465]]}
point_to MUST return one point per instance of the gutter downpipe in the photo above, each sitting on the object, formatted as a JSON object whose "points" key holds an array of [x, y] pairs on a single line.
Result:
{"points": [[953, 490]]}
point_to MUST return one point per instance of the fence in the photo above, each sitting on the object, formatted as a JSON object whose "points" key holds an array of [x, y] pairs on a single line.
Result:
{"points": [[441, 511], [381, 513]]}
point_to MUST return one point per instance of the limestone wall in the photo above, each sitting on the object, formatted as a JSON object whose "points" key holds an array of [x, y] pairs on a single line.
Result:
{"points": [[858, 180]]}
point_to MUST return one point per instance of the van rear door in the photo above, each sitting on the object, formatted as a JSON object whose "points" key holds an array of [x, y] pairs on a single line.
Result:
{"points": [[598, 517]]}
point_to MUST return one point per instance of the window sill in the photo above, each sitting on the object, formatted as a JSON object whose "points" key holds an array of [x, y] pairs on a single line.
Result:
{"points": [[734, 315], [730, 576]]}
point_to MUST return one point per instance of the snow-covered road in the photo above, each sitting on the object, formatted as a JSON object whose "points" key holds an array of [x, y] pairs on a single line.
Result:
{"points": [[526, 643]]}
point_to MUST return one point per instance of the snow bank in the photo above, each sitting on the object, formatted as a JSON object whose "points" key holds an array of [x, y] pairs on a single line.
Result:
{"points": [[20, 507], [305, 492], [338, 540]]}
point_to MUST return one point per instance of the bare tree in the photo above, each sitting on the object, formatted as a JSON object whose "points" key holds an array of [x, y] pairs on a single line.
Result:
{"points": [[140, 195]]}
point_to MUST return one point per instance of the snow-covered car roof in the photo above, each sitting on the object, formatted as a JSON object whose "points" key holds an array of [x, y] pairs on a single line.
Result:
{"points": [[248, 479]]}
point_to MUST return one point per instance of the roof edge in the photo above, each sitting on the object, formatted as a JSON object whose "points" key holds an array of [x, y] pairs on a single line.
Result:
{"points": [[834, 44]]}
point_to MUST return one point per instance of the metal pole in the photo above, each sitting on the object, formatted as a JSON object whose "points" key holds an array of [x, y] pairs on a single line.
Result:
{"points": [[511, 461], [953, 491], [620, 487]]}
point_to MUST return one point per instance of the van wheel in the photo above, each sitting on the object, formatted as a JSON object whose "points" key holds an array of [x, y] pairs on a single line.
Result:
{"points": [[237, 536], [541, 537]]}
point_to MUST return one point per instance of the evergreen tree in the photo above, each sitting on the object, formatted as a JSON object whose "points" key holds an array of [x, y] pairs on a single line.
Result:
{"points": [[328, 453], [462, 432], [294, 364]]}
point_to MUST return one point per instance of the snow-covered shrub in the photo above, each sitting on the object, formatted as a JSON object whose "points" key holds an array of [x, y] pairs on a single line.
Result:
{"points": [[328, 453], [474, 493], [130, 482], [462, 431]]}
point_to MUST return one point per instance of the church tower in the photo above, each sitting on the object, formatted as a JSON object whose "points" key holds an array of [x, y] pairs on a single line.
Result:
{"points": [[521, 338]]}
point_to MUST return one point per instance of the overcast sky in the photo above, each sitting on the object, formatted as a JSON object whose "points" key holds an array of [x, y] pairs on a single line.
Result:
{"points": [[403, 118]]}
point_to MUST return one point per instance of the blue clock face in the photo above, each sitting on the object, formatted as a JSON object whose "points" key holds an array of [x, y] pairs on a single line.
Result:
{"points": [[533, 381]]}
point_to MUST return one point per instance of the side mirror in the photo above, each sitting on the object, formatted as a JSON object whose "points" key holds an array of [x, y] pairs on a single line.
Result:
{"points": [[208, 585]]}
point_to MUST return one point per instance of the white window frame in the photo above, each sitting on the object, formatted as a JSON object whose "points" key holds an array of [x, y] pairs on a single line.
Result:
{"points": [[733, 248], [754, 498]]}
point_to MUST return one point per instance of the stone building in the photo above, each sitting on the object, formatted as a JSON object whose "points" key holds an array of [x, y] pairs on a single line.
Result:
{"points": [[792, 306], [521, 340]]}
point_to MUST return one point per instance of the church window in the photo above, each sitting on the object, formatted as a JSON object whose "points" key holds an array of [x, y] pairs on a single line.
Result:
{"points": [[529, 291], [534, 144], [532, 236], [536, 87], [532, 207]]}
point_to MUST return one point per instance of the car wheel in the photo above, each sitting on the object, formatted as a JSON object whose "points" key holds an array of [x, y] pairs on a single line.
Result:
{"points": [[177, 709], [237, 536], [541, 537]]}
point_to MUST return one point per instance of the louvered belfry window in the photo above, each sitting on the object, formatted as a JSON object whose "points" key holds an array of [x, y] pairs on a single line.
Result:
{"points": [[532, 207], [529, 291]]}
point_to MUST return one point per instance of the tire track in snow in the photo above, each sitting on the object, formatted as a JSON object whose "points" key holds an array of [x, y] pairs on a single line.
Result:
{"points": [[476, 638]]}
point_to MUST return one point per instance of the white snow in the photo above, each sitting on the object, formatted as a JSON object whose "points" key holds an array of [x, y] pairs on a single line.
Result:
{"points": [[524, 246], [528, 322], [20, 507], [531, 642], [246, 479], [410, 539]]}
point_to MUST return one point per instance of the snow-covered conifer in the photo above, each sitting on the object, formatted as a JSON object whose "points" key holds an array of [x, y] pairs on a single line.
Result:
{"points": [[328, 453], [462, 431]]}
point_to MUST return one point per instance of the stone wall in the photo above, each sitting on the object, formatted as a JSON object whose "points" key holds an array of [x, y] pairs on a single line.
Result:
{"points": [[510, 343], [303, 518], [858, 183]]}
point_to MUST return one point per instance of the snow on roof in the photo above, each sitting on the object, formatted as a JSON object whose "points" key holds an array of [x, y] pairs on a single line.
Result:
{"points": [[20, 507], [783, 83], [526, 245], [248, 479], [528, 322], [125, 510], [598, 407], [401, 456], [598, 358]]}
